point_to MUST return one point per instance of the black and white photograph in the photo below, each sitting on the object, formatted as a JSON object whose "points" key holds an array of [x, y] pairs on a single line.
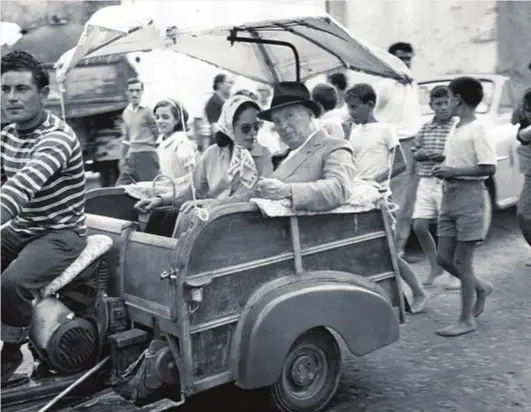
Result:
{"points": [[265, 206]]}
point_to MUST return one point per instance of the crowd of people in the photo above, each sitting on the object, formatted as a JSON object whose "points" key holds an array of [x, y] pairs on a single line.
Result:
{"points": [[303, 146]]}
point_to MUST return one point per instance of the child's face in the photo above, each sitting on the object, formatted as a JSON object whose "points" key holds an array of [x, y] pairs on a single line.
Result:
{"points": [[165, 120], [442, 108], [358, 111]]}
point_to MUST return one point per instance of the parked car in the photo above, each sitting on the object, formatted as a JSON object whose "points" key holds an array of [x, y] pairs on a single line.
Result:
{"points": [[495, 110]]}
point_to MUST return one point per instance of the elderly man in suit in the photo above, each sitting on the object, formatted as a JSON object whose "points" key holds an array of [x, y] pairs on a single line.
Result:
{"points": [[316, 172]]}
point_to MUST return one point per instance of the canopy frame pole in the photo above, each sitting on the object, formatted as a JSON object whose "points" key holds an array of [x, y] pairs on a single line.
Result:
{"points": [[233, 38]]}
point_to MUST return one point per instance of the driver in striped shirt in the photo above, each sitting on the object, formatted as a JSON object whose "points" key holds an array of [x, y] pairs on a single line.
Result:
{"points": [[42, 198]]}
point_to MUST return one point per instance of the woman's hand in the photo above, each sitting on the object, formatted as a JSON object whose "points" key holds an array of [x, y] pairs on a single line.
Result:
{"points": [[146, 205], [203, 203]]}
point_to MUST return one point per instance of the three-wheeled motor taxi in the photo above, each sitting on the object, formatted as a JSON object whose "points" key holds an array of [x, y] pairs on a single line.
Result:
{"points": [[237, 293]]}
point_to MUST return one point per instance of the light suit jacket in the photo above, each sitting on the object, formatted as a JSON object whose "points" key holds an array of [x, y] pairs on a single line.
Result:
{"points": [[321, 173]]}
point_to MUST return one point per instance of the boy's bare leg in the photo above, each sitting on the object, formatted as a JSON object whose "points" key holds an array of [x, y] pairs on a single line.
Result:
{"points": [[422, 230], [420, 298], [472, 289]]}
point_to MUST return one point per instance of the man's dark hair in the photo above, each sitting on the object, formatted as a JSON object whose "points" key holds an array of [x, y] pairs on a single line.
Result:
{"points": [[21, 61], [470, 90], [362, 91], [439, 91], [338, 80], [405, 47], [218, 79], [135, 80], [326, 95]]}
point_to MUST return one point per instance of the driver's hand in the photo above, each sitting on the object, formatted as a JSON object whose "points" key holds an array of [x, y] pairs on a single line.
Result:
{"points": [[188, 206], [146, 205]]}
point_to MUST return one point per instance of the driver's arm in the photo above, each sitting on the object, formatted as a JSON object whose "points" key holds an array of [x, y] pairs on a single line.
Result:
{"points": [[51, 155]]}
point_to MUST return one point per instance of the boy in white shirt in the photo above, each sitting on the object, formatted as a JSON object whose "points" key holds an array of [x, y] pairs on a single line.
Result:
{"points": [[378, 157], [326, 96], [470, 158]]}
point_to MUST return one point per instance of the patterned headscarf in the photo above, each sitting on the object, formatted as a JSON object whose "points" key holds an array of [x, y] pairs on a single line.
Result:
{"points": [[242, 162]]}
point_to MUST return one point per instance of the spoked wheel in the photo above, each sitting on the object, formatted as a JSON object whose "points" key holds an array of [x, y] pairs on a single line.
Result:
{"points": [[310, 374]]}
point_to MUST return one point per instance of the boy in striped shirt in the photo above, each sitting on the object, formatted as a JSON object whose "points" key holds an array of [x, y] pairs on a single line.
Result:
{"points": [[42, 198], [428, 152]]}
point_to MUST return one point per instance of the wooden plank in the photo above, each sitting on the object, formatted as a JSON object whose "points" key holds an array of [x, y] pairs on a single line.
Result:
{"points": [[296, 242]]}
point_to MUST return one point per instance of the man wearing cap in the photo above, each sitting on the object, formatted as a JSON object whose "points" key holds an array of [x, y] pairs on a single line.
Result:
{"points": [[316, 171]]}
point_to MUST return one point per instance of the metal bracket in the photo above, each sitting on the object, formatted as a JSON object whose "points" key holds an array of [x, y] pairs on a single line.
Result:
{"points": [[171, 273], [233, 38]]}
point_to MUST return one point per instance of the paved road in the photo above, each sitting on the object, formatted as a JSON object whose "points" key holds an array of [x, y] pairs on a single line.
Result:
{"points": [[489, 370]]}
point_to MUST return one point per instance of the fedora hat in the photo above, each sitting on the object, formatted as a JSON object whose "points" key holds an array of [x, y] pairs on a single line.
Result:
{"points": [[290, 93]]}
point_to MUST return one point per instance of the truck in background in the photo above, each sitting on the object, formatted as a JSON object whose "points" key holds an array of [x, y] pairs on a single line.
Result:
{"points": [[94, 96]]}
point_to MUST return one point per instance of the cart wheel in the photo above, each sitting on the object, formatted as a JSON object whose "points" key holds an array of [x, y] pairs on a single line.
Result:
{"points": [[310, 374]]}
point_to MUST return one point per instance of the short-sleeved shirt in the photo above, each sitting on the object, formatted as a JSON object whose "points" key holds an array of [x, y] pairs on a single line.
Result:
{"points": [[432, 136], [397, 104], [333, 123], [213, 108], [470, 146], [372, 144]]}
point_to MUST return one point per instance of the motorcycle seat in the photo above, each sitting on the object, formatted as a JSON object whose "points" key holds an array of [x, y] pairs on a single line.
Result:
{"points": [[97, 246]]}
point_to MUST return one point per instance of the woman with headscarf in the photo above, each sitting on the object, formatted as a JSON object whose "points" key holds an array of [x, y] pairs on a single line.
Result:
{"points": [[175, 150], [228, 169]]}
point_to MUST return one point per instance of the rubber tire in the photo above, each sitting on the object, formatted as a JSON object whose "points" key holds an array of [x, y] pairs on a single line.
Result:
{"points": [[325, 341]]}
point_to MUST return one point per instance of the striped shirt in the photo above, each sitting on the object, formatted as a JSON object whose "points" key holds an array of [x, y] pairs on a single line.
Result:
{"points": [[432, 137], [43, 178]]}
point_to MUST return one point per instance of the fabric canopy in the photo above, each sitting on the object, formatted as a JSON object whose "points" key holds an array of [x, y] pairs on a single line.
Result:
{"points": [[200, 30]]}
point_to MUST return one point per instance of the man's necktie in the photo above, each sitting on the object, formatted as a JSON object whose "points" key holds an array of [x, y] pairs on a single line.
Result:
{"points": [[277, 159]]}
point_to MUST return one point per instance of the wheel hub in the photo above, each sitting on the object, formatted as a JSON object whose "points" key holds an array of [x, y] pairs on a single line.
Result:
{"points": [[303, 371]]}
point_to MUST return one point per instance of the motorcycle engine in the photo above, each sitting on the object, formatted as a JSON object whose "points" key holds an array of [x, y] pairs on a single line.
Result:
{"points": [[67, 343]]}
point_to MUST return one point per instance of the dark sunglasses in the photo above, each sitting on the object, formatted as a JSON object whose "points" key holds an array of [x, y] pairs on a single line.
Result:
{"points": [[246, 128]]}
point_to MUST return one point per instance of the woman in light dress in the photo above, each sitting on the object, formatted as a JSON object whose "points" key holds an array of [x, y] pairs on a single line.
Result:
{"points": [[228, 168], [177, 153]]}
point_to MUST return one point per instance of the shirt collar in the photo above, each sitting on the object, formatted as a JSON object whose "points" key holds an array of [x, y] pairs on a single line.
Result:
{"points": [[130, 107], [434, 124]]}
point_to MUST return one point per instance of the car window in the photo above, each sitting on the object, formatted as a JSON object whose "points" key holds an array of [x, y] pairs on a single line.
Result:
{"points": [[425, 88], [507, 99]]}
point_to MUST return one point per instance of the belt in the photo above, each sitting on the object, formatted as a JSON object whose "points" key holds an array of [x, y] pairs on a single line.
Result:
{"points": [[454, 180]]}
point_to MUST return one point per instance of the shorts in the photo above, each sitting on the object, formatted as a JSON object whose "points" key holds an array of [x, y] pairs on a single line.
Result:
{"points": [[463, 210], [429, 198]]}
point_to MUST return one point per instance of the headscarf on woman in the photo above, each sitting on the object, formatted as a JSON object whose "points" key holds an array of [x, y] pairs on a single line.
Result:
{"points": [[242, 164], [226, 169]]}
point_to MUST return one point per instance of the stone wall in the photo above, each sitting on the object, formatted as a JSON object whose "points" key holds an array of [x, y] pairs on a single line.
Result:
{"points": [[448, 36], [514, 40]]}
